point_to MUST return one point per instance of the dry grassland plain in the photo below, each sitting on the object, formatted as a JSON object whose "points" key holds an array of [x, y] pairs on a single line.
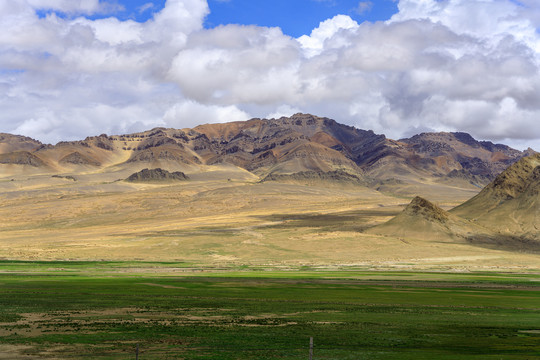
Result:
{"points": [[226, 217]]}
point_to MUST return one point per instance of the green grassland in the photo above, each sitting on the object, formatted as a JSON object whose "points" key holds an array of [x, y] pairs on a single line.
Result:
{"points": [[102, 310]]}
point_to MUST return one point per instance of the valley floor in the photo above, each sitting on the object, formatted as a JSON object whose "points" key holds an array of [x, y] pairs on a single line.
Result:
{"points": [[228, 218]]}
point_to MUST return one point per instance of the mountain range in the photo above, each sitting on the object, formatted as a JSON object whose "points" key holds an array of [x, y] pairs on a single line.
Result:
{"points": [[270, 149]]}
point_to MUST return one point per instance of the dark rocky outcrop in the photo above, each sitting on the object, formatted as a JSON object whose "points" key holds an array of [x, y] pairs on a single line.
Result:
{"points": [[21, 158], [338, 176], [420, 207], [12, 143], [76, 158], [67, 177], [156, 175]]}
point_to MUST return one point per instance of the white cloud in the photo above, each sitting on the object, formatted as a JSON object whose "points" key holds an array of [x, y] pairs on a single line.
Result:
{"points": [[91, 119], [450, 65], [113, 31], [490, 20], [69, 78], [314, 44], [190, 114], [238, 64], [283, 110]]}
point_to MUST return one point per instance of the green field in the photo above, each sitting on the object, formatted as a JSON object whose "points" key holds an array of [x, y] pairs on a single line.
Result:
{"points": [[102, 310]]}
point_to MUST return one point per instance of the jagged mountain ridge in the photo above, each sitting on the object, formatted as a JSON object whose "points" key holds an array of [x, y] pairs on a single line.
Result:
{"points": [[12, 143], [459, 153], [302, 142]]}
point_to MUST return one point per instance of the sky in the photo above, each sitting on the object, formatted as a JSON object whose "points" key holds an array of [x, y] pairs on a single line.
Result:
{"points": [[71, 69]]}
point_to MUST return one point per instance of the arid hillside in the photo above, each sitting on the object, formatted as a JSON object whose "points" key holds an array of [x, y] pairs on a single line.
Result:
{"points": [[511, 203], [422, 219]]}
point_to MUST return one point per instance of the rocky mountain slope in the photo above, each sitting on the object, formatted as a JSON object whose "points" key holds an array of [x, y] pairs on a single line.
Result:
{"points": [[504, 215], [423, 219], [285, 146], [456, 154], [511, 203], [13, 143]]}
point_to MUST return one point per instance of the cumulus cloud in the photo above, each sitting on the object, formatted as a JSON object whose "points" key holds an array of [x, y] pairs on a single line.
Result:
{"points": [[68, 78], [190, 114], [283, 111], [490, 20], [440, 65], [315, 43], [238, 64]]}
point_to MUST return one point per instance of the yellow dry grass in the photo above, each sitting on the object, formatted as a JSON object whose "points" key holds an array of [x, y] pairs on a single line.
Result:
{"points": [[225, 218]]}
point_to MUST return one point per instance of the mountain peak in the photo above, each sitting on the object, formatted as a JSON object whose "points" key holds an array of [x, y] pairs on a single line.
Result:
{"points": [[425, 209], [10, 143], [422, 219], [513, 181], [510, 203], [509, 185]]}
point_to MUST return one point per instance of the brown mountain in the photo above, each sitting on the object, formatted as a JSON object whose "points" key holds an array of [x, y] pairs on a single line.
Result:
{"points": [[11, 143], [511, 203], [459, 154], [302, 143], [423, 219], [276, 143], [284, 146]]}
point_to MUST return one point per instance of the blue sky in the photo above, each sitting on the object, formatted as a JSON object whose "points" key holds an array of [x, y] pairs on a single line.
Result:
{"points": [[295, 17]]}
